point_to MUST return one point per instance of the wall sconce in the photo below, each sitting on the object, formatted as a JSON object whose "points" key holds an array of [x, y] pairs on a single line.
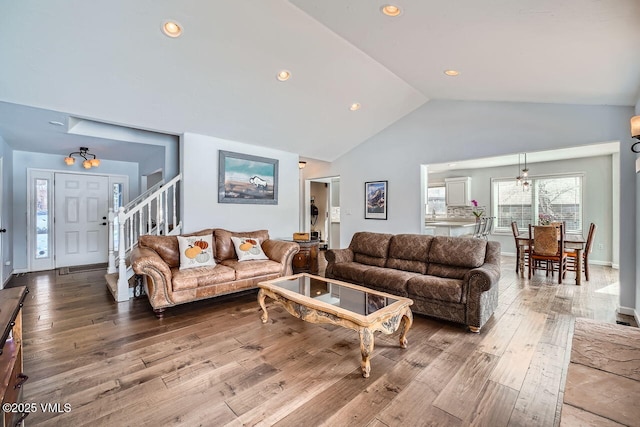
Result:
{"points": [[302, 165], [635, 133], [87, 163]]}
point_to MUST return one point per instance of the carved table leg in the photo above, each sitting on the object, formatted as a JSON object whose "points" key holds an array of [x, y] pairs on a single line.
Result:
{"points": [[407, 321], [261, 298], [366, 348]]}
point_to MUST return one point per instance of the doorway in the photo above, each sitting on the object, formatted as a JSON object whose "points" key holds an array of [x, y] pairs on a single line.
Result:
{"points": [[323, 197], [67, 217]]}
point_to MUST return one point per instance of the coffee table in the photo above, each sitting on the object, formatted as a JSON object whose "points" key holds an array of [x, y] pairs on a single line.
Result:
{"points": [[319, 300]]}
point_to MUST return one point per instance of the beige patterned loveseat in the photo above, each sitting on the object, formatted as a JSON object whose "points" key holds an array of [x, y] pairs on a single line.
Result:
{"points": [[452, 278], [157, 258]]}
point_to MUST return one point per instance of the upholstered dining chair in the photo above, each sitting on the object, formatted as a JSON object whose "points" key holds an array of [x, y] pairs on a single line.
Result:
{"points": [[519, 247], [546, 244], [588, 247]]}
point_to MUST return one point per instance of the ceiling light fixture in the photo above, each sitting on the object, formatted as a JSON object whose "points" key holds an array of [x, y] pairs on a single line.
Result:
{"points": [[302, 164], [283, 75], [452, 73], [172, 29], [391, 10], [355, 106], [635, 133], [87, 163], [522, 178]]}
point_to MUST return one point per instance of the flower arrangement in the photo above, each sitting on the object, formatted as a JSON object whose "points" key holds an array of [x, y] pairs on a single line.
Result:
{"points": [[476, 211], [544, 219]]}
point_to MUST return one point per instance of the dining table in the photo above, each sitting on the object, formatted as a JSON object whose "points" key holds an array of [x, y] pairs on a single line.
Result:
{"points": [[573, 241]]}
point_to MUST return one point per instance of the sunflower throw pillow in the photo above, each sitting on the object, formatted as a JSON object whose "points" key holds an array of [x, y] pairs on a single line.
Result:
{"points": [[248, 248], [196, 251]]}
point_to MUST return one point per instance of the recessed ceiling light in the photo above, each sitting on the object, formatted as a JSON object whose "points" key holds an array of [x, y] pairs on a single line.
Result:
{"points": [[172, 29], [283, 75], [355, 106], [452, 73], [391, 10], [56, 123]]}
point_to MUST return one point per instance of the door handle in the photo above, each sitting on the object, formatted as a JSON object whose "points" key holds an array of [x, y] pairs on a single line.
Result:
{"points": [[104, 217], [104, 223], [3, 230]]}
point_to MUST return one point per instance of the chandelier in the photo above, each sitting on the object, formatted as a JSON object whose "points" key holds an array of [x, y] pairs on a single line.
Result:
{"points": [[523, 174], [88, 163]]}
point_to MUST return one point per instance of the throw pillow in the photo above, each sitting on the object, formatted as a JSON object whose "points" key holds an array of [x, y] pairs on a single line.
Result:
{"points": [[248, 248], [196, 251]]}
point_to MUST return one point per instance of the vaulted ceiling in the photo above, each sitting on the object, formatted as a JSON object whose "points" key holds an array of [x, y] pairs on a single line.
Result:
{"points": [[110, 62]]}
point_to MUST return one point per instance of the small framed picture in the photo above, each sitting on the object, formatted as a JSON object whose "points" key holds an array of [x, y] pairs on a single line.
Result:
{"points": [[375, 195]]}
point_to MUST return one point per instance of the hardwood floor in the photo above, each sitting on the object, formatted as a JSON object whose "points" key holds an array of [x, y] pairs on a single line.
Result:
{"points": [[214, 363]]}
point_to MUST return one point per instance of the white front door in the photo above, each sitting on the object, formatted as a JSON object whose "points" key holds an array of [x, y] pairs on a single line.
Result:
{"points": [[81, 208]]}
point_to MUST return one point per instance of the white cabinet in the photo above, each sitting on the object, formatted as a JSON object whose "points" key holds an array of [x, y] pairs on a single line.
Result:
{"points": [[458, 191]]}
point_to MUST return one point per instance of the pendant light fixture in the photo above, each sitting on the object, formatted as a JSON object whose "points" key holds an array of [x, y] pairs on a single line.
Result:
{"points": [[88, 163], [525, 175], [519, 177]]}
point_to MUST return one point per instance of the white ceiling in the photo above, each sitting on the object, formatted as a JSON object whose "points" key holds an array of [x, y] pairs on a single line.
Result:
{"points": [[113, 64]]}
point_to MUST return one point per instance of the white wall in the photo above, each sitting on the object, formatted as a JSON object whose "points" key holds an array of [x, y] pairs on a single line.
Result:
{"points": [[6, 239], [200, 191], [445, 131], [597, 196], [23, 160]]}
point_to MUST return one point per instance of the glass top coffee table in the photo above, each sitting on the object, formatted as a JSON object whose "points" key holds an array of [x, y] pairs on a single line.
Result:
{"points": [[319, 300]]}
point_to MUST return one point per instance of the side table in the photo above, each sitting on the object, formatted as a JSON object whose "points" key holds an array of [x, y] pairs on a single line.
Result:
{"points": [[306, 261]]}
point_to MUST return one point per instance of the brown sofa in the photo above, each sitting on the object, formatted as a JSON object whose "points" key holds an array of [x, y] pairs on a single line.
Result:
{"points": [[452, 278], [158, 259]]}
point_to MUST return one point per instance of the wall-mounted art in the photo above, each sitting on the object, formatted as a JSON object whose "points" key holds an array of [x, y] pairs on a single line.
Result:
{"points": [[243, 178], [375, 194]]}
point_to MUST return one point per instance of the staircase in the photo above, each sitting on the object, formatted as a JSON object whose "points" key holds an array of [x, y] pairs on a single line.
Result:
{"points": [[153, 212]]}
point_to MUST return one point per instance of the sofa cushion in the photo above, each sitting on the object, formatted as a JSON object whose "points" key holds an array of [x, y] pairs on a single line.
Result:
{"points": [[438, 288], [192, 278], [388, 280], [459, 252], [224, 245], [196, 251], [350, 271], [447, 271], [370, 248], [253, 268], [167, 246], [409, 252]]}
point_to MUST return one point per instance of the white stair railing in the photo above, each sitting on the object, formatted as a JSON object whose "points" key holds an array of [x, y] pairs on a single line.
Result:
{"points": [[157, 213]]}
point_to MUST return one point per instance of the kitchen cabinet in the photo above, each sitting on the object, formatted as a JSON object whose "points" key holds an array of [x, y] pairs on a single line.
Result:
{"points": [[458, 191]]}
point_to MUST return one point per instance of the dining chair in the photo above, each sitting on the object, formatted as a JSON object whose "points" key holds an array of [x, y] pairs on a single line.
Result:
{"points": [[588, 247], [546, 243], [479, 227], [519, 247], [488, 227]]}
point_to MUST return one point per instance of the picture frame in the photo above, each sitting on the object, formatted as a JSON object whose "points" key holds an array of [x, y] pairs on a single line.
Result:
{"points": [[247, 179], [375, 199]]}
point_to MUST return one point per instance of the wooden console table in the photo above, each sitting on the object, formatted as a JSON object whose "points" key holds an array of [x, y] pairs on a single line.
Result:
{"points": [[11, 376]]}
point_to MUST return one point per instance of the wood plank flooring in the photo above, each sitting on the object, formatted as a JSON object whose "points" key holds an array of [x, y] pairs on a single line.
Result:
{"points": [[213, 363]]}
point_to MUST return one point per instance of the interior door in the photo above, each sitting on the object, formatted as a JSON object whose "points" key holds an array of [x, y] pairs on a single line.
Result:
{"points": [[81, 207]]}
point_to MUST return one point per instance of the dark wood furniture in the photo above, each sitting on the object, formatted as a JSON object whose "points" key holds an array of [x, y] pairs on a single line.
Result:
{"points": [[546, 243], [11, 376], [573, 256], [572, 242], [306, 261]]}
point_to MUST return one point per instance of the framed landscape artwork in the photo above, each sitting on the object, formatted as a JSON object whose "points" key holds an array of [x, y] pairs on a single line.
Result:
{"points": [[243, 178], [375, 193]]}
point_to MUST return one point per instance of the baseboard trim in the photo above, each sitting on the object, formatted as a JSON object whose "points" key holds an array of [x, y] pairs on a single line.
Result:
{"points": [[628, 311]]}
